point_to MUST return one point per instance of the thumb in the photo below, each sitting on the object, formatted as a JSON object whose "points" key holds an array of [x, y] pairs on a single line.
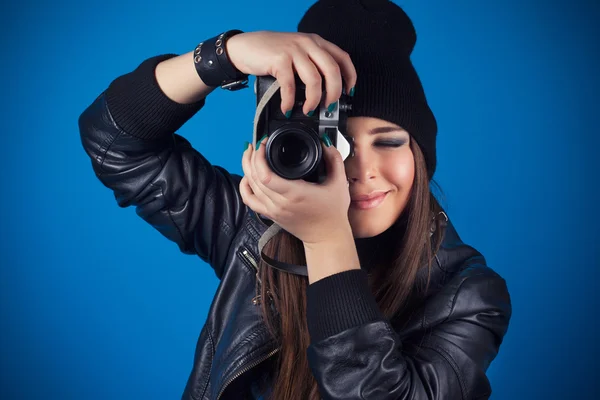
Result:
{"points": [[336, 171]]}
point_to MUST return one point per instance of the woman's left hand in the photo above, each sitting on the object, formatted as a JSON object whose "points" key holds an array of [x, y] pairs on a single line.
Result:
{"points": [[314, 213]]}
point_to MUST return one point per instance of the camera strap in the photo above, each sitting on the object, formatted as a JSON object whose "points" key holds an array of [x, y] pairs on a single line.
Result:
{"points": [[274, 228]]}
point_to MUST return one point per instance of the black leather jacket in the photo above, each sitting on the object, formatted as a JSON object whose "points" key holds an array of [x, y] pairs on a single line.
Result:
{"points": [[442, 353]]}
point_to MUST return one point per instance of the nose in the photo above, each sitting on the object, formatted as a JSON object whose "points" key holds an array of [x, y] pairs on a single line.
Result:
{"points": [[360, 167]]}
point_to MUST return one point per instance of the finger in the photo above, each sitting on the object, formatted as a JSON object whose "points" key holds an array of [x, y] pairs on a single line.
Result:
{"points": [[284, 73], [250, 199], [348, 70], [274, 186], [257, 181], [310, 75], [255, 188], [330, 69], [268, 181], [336, 171]]}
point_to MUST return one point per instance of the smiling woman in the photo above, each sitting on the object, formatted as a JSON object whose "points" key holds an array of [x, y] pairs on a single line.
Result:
{"points": [[381, 174], [395, 305]]}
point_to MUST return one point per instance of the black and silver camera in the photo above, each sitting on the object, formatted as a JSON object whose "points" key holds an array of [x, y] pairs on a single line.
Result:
{"points": [[293, 148]]}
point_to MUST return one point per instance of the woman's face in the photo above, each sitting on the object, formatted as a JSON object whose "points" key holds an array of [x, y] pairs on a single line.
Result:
{"points": [[382, 163]]}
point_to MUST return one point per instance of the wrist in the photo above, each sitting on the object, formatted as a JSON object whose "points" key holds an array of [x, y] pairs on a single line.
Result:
{"points": [[343, 234], [232, 49], [332, 256], [178, 80]]}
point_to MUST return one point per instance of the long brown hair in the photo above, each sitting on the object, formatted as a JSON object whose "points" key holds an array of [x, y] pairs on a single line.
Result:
{"points": [[407, 247]]}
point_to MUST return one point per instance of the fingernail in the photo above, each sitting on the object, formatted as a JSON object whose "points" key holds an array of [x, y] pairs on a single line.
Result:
{"points": [[246, 145], [260, 140], [332, 106], [288, 114], [352, 91], [327, 140], [311, 113]]}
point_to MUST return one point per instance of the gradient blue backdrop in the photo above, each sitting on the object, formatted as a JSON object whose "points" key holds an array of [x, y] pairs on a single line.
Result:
{"points": [[96, 305]]}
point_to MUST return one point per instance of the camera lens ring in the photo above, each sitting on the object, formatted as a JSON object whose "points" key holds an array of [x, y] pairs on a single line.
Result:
{"points": [[306, 154]]}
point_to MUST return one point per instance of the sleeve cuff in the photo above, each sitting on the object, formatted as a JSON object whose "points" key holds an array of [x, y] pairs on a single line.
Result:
{"points": [[140, 107], [340, 302]]}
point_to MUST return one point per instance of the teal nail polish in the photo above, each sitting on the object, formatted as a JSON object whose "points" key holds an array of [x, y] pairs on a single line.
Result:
{"points": [[246, 144], [260, 140], [332, 106], [311, 113], [327, 140], [288, 114], [352, 92]]}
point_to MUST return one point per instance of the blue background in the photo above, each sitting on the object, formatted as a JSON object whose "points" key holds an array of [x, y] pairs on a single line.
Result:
{"points": [[97, 305]]}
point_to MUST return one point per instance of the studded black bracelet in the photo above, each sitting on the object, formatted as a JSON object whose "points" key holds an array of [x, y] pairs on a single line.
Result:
{"points": [[213, 65]]}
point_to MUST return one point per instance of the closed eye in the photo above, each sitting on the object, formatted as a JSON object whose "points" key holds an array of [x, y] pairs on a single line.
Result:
{"points": [[390, 143]]}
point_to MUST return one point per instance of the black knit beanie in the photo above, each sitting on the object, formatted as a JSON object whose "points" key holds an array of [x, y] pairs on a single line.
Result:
{"points": [[380, 38]]}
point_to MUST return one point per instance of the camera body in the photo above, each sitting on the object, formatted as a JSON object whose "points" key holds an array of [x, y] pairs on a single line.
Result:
{"points": [[293, 148]]}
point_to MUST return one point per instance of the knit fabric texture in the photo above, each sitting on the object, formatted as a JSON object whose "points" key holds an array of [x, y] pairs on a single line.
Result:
{"points": [[380, 38]]}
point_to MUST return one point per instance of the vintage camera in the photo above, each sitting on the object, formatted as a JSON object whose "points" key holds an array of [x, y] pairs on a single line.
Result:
{"points": [[293, 148]]}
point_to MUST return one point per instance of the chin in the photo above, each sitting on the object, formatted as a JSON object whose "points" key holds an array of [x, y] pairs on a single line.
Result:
{"points": [[367, 230]]}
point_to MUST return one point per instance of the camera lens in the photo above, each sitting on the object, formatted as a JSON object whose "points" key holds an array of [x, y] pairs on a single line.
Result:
{"points": [[293, 152]]}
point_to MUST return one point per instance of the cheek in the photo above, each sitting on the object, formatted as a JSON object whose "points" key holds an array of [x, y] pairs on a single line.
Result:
{"points": [[402, 171]]}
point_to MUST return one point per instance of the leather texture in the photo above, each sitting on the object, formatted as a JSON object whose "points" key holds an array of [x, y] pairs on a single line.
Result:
{"points": [[442, 351]]}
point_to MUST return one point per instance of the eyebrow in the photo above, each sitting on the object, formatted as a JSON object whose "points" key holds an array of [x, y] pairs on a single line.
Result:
{"points": [[385, 129]]}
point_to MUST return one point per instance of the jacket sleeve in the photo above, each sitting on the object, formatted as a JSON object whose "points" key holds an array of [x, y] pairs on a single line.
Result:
{"points": [[364, 358], [128, 132]]}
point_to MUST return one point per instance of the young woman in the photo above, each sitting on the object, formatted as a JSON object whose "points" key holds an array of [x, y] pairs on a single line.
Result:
{"points": [[394, 304]]}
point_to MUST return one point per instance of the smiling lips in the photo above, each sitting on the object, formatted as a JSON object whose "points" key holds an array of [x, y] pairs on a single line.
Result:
{"points": [[366, 202]]}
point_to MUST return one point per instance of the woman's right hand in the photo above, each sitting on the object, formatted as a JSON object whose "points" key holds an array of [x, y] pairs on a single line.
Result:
{"points": [[281, 54]]}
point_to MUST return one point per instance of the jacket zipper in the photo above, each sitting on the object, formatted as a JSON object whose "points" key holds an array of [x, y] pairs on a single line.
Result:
{"points": [[244, 370], [256, 300], [250, 259], [248, 256]]}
